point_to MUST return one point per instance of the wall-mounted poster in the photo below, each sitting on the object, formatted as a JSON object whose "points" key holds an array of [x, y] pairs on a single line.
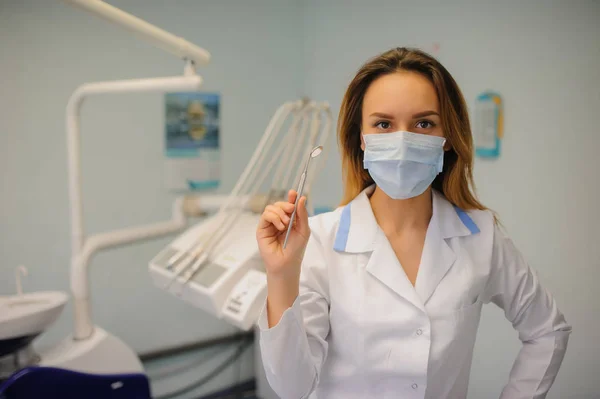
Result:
{"points": [[488, 129], [192, 142]]}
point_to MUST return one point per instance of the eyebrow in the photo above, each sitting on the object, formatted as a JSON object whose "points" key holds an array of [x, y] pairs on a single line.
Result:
{"points": [[382, 115], [415, 116], [424, 114]]}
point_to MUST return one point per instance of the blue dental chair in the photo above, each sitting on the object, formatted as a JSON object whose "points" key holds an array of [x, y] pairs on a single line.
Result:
{"points": [[48, 383]]}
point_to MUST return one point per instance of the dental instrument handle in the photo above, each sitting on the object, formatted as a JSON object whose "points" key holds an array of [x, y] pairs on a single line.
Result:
{"points": [[195, 264], [315, 152], [196, 255], [299, 194]]}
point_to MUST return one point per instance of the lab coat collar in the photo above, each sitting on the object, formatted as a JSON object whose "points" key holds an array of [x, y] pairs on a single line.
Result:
{"points": [[358, 232], [358, 227]]}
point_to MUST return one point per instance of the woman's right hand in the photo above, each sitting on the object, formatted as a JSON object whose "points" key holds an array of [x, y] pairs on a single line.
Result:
{"points": [[271, 232]]}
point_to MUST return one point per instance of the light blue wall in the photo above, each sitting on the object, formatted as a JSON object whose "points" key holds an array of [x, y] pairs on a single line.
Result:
{"points": [[542, 56]]}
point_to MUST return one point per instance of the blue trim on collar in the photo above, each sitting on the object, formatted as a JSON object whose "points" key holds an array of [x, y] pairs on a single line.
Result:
{"points": [[467, 221], [341, 237]]}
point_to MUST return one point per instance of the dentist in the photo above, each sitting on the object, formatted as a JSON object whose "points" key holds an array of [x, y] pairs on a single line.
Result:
{"points": [[382, 297]]}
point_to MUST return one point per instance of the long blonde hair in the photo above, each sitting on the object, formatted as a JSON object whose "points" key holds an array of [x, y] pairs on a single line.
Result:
{"points": [[456, 179]]}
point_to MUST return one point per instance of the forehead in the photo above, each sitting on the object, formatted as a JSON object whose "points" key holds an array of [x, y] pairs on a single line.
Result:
{"points": [[400, 93]]}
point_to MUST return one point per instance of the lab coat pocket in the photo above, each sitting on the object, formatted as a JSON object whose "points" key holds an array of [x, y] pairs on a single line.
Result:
{"points": [[451, 328]]}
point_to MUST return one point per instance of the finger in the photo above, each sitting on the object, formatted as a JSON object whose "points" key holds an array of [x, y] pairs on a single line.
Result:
{"points": [[292, 194], [278, 210], [263, 223], [302, 215], [270, 231], [267, 221], [274, 219], [287, 207]]}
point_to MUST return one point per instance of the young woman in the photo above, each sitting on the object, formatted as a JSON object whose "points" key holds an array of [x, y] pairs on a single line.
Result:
{"points": [[382, 297]]}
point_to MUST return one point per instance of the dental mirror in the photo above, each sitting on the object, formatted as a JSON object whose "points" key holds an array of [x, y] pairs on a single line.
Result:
{"points": [[313, 154]]}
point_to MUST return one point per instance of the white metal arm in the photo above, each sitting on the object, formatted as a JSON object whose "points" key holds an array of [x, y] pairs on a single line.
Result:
{"points": [[158, 37], [83, 249], [191, 82]]}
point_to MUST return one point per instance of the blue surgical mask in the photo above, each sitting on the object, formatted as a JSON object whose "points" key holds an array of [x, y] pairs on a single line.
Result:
{"points": [[403, 164]]}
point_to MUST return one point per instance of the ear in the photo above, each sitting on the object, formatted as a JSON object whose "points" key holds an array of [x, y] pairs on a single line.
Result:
{"points": [[447, 145], [362, 142]]}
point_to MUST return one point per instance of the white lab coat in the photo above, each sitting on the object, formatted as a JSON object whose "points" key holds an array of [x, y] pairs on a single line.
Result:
{"points": [[359, 329]]}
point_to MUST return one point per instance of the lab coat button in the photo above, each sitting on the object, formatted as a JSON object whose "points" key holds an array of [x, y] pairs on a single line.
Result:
{"points": [[419, 331], [414, 386]]}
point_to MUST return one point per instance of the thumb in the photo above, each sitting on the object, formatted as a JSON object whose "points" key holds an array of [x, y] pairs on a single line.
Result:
{"points": [[303, 217]]}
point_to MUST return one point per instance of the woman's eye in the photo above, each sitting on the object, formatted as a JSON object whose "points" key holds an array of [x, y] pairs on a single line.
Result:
{"points": [[425, 124], [383, 125]]}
